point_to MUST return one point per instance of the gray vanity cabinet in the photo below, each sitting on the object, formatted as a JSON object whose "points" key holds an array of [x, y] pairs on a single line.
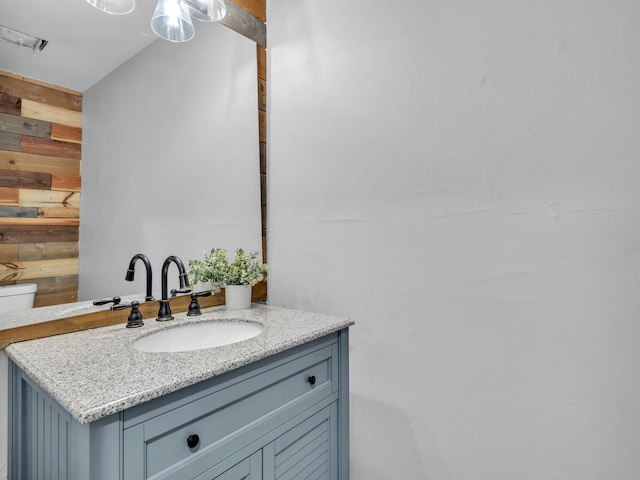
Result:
{"points": [[283, 417]]}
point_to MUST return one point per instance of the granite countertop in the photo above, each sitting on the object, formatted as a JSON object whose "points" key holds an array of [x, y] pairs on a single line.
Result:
{"points": [[33, 316], [95, 373]]}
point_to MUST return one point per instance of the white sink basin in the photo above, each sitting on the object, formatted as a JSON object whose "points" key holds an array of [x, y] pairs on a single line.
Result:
{"points": [[198, 336]]}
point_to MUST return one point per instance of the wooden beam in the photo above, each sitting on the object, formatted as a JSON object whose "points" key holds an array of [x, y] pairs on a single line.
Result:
{"points": [[246, 24]]}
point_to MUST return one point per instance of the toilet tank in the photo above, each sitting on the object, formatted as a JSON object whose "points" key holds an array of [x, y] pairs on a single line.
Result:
{"points": [[17, 297]]}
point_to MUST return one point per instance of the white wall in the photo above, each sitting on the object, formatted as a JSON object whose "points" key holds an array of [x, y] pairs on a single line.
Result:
{"points": [[170, 161], [462, 179]]}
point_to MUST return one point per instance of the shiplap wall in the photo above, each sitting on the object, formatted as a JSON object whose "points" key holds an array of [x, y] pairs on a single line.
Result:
{"points": [[40, 151]]}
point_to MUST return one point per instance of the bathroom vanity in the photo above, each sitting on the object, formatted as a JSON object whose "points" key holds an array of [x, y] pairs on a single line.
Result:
{"points": [[88, 405]]}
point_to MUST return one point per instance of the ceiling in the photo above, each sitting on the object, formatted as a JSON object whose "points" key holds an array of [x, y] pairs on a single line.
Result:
{"points": [[85, 44]]}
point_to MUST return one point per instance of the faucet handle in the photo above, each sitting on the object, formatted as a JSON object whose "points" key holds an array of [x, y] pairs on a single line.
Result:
{"points": [[115, 300], [194, 306], [175, 292], [135, 317]]}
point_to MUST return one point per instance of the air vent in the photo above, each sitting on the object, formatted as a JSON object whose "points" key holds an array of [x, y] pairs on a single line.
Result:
{"points": [[21, 39]]}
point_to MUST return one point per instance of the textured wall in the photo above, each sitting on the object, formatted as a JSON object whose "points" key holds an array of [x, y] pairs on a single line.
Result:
{"points": [[461, 178]]}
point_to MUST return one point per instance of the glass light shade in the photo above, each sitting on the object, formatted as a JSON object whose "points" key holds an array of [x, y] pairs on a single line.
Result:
{"points": [[205, 10], [172, 22], [116, 7]]}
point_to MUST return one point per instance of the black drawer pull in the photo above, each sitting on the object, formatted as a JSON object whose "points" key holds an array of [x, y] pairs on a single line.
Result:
{"points": [[311, 380], [193, 441]]}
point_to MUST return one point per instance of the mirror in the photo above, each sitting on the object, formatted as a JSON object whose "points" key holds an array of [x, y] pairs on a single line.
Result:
{"points": [[170, 160]]}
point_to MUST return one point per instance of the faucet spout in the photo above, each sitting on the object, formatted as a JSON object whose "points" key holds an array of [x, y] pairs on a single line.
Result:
{"points": [[164, 313], [131, 273]]}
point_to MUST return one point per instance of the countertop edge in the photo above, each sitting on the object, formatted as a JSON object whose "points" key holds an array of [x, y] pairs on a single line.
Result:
{"points": [[85, 414]]}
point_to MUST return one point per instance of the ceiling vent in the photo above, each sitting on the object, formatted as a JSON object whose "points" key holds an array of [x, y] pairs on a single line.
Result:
{"points": [[16, 37]]}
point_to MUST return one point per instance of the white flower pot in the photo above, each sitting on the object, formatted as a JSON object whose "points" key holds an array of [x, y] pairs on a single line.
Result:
{"points": [[202, 287], [237, 297]]}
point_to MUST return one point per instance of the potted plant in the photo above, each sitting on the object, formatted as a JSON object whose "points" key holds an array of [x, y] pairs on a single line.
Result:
{"points": [[237, 276], [210, 271]]}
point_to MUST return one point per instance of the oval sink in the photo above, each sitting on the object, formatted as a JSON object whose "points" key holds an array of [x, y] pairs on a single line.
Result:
{"points": [[198, 337]]}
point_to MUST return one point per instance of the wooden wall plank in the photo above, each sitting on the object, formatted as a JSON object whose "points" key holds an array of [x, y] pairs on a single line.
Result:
{"points": [[53, 285], [65, 182], [59, 212], [257, 8], [40, 92], [20, 179], [25, 221], [51, 113], [9, 253], [10, 271], [10, 104], [39, 163], [65, 133], [18, 212], [53, 148], [9, 196], [43, 300], [47, 251], [48, 198], [37, 234], [9, 141], [40, 152], [24, 126]]}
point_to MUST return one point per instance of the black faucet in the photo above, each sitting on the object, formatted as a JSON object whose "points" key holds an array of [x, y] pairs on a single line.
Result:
{"points": [[164, 313], [131, 272]]}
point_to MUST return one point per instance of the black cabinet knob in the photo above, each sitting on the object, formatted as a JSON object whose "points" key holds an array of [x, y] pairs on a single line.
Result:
{"points": [[193, 441], [312, 380]]}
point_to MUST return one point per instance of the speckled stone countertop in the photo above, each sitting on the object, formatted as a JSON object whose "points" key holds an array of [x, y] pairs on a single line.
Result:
{"points": [[95, 373], [55, 312]]}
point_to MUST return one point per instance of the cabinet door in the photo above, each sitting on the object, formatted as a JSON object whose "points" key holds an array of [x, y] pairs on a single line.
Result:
{"points": [[309, 450], [248, 469]]}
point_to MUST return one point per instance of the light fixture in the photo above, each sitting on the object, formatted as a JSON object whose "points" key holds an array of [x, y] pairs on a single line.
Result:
{"points": [[172, 22], [171, 19], [205, 10], [116, 7], [21, 39]]}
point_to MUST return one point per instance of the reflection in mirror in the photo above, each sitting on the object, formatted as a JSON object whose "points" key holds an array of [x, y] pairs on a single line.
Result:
{"points": [[170, 167], [170, 159]]}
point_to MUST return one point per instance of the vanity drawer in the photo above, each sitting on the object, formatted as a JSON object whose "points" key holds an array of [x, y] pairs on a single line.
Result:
{"points": [[236, 414]]}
